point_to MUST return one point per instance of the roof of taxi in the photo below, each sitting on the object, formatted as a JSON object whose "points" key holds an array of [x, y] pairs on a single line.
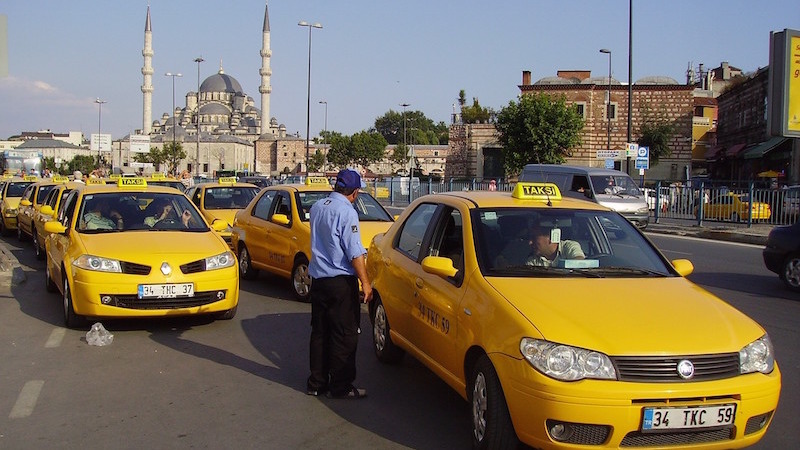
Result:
{"points": [[301, 187], [113, 187], [498, 199], [225, 185]]}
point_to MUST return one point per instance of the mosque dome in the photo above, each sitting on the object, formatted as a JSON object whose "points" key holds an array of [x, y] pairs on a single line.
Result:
{"points": [[656, 80], [214, 108], [556, 81], [221, 82]]}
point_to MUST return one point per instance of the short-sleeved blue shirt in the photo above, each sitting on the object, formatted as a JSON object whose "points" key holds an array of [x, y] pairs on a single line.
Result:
{"points": [[335, 237]]}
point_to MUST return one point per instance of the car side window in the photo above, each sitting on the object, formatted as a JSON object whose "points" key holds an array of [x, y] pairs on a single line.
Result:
{"points": [[262, 207], [283, 205], [195, 196], [65, 215], [28, 194], [448, 241], [410, 237]]}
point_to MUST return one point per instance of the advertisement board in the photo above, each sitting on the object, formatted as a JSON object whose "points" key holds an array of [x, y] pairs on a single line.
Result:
{"points": [[139, 143], [783, 112]]}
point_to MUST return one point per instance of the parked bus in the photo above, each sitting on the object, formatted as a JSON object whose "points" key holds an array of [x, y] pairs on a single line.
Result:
{"points": [[14, 161]]}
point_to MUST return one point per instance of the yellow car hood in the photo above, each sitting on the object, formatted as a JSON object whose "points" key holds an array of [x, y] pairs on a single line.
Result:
{"points": [[623, 316], [12, 202], [152, 247], [223, 214], [370, 229]]}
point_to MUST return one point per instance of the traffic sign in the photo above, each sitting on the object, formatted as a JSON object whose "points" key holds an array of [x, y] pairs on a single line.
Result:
{"points": [[643, 158], [608, 154], [631, 149]]}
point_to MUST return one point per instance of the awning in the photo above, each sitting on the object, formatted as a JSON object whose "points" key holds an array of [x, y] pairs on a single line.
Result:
{"points": [[713, 153], [734, 150], [769, 174], [763, 148]]}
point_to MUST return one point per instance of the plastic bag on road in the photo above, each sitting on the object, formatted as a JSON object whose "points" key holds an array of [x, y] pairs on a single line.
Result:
{"points": [[99, 336]]}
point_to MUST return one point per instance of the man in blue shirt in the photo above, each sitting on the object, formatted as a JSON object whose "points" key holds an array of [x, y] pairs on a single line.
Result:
{"points": [[337, 265]]}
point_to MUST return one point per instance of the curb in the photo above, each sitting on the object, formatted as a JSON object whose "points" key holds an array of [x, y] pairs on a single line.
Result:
{"points": [[717, 235], [11, 273]]}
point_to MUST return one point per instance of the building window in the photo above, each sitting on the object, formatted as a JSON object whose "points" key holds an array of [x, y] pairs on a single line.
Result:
{"points": [[612, 111], [436, 153], [580, 108], [285, 154]]}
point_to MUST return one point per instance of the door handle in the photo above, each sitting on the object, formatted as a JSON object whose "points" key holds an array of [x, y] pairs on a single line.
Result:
{"points": [[419, 283]]}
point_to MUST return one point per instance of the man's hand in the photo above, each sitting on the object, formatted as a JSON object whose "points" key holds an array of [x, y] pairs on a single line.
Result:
{"points": [[366, 293]]}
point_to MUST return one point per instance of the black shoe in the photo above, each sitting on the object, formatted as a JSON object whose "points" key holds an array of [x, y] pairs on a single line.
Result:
{"points": [[316, 392], [354, 394]]}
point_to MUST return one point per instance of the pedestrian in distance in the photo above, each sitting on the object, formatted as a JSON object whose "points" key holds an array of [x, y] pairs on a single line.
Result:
{"points": [[337, 265]]}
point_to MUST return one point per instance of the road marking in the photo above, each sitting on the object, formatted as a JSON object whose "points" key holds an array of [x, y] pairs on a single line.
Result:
{"points": [[55, 338], [27, 399]]}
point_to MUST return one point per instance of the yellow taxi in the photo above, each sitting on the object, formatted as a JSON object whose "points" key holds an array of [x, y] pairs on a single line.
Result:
{"points": [[131, 250], [222, 200], [564, 327], [735, 207], [47, 212], [31, 202], [159, 179], [10, 196], [273, 232]]}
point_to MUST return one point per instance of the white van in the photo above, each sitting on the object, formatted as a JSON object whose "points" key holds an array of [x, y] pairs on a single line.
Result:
{"points": [[610, 188]]}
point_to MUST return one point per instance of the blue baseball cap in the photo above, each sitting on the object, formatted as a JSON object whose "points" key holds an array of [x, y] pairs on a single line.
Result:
{"points": [[348, 179]]}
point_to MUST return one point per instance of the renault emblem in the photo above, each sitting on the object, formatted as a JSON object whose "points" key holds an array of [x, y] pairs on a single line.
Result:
{"points": [[685, 369], [166, 269]]}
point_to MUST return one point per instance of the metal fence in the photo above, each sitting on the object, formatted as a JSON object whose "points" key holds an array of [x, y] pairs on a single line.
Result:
{"points": [[722, 201]]}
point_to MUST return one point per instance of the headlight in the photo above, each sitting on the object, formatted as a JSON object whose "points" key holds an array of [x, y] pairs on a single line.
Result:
{"points": [[11, 212], [566, 363], [758, 356], [220, 261], [642, 209], [97, 263]]}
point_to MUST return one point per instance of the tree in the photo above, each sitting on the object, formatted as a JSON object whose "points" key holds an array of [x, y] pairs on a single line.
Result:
{"points": [[656, 133], [367, 147], [537, 129], [400, 155], [173, 154], [86, 164], [338, 154], [421, 128], [316, 161], [155, 156], [475, 113], [49, 162]]}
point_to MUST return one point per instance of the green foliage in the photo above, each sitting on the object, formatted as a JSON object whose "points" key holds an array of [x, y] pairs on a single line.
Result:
{"points": [[418, 128], [156, 157], [338, 154], [475, 113], [86, 164], [173, 153], [316, 161], [400, 155], [537, 129], [49, 162], [656, 133], [367, 147]]}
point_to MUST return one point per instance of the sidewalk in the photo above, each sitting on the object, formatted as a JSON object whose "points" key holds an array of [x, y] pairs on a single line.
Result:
{"points": [[720, 231]]}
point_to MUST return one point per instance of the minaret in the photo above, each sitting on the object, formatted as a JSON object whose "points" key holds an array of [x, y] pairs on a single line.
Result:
{"points": [[147, 77], [265, 89]]}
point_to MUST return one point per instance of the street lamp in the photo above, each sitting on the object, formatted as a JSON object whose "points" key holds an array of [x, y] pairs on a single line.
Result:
{"points": [[198, 60], [323, 102], [608, 100], [174, 119], [99, 115], [303, 23]]}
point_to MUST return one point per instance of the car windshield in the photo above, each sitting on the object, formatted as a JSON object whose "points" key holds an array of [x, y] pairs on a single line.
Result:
{"points": [[43, 191], [149, 211], [368, 209], [168, 183], [15, 189], [615, 185], [532, 242], [229, 197]]}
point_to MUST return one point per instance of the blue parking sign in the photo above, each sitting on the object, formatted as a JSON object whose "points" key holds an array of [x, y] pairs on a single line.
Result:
{"points": [[643, 158]]}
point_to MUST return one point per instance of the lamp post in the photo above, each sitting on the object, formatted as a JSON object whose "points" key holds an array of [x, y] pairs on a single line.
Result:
{"points": [[303, 23], [323, 102], [630, 81], [608, 100], [198, 60], [99, 115], [174, 119]]}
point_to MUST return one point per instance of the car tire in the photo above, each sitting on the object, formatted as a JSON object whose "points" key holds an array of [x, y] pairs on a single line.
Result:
{"points": [[385, 350], [49, 284], [246, 269], [790, 274], [229, 314], [37, 246], [71, 319], [301, 280], [491, 421]]}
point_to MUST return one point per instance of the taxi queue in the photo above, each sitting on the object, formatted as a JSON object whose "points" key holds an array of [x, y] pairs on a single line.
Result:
{"points": [[545, 349]]}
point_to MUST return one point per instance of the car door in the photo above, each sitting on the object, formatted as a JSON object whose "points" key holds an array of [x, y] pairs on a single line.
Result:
{"points": [[436, 319], [278, 242], [256, 228], [25, 211], [58, 244]]}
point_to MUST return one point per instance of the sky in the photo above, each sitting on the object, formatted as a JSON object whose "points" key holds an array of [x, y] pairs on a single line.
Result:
{"points": [[370, 57]]}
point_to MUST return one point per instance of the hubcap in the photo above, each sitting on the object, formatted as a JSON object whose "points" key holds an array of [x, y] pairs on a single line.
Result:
{"points": [[66, 298], [302, 281], [379, 329], [243, 261], [479, 407], [792, 272]]}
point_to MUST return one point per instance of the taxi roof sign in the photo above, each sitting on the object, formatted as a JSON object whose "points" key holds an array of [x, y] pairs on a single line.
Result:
{"points": [[131, 182], [227, 180], [30, 178], [95, 181], [60, 179], [158, 176], [317, 180], [536, 191]]}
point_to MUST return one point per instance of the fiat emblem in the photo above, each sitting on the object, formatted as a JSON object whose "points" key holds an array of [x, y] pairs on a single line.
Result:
{"points": [[166, 269], [685, 369]]}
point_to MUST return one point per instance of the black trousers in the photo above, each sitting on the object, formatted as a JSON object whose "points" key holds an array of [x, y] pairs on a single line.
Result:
{"points": [[335, 321]]}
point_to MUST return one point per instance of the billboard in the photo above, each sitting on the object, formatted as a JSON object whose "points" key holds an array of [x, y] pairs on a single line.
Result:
{"points": [[783, 111], [100, 142], [139, 143]]}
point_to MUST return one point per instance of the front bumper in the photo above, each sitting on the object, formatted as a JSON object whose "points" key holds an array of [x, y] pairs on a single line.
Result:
{"points": [[773, 259], [609, 414], [639, 219], [99, 294]]}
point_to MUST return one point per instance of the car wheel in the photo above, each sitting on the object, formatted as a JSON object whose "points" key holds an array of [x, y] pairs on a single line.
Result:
{"points": [[491, 422], [791, 272], [71, 319], [49, 285], [385, 349], [229, 314], [301, 280], [246, 270], [37, 247]]}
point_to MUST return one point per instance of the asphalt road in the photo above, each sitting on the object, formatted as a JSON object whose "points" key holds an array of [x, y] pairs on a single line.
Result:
{"points": [[192, 382]]}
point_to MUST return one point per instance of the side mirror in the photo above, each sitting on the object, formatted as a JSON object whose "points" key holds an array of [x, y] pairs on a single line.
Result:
{"points": [[55, 227], [280, 219], [47, 210], [684, 267], [25, 203], [219, 225], [439, 265]]}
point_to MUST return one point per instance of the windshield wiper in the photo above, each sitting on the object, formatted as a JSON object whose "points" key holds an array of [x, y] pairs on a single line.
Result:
{"points": [[628, 271], [525, 269]]}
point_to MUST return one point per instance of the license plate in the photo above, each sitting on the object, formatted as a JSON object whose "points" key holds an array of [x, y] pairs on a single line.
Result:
{"points": [[166, 290], [688, 417]]}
